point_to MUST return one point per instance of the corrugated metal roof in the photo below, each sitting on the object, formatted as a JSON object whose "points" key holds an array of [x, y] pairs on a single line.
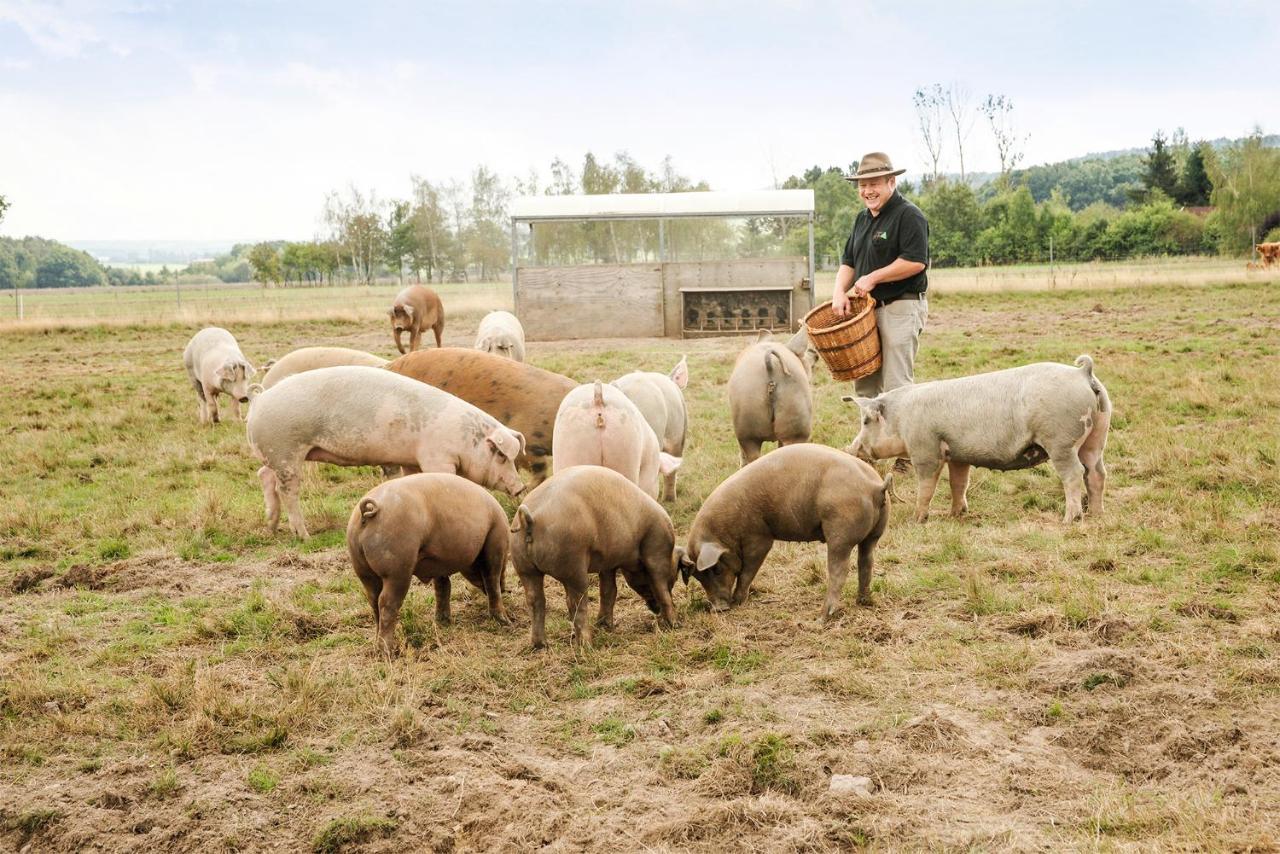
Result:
{"points": [[663, 205]]}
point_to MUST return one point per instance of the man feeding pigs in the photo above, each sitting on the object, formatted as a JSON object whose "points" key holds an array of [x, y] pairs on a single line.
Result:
{"points": [[886, 256]]}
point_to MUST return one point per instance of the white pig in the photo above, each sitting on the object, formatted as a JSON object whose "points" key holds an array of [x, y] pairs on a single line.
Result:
{"points": [[310, 358], [500, 333], [357, 416], [769, 395], [597, 425], [216, 366], [1010, 419], [660, 401]]}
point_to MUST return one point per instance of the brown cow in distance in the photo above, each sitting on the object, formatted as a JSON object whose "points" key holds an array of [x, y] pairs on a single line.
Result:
{"points": [[1269, 254], [416, 308]]}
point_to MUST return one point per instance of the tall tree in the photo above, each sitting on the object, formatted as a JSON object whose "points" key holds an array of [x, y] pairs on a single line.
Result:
{"points": [[266, 264], [1161, 171], [399, 243], [929, 102], [4, 206], [959, 106], [1246, 191], [999, 112], [1194, 185]]}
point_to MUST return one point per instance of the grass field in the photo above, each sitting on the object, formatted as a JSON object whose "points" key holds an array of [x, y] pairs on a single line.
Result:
{"points": [[171, 676]]}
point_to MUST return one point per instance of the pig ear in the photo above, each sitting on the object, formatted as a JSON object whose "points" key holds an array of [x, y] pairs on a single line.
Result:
{"points": [[519, 437], [866, 404], [484, 345], [709, 555], [680, 373], [391, 312], [408, 311], [668, 464], [762, 336], [798, 343], [683, 562], [509, 443]]}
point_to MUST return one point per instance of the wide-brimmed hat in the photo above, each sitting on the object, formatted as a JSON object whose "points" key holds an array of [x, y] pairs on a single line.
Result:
{"points": [[874, 165]]}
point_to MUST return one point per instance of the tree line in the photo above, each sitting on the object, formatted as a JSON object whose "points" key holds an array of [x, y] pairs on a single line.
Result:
{"points": [[1177, 198]]}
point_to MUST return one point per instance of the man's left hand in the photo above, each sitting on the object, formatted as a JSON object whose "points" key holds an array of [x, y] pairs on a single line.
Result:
{"points": [[864, 285]]}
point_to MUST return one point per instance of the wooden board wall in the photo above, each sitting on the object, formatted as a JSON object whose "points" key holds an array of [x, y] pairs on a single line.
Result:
{"points": [[597, 301]]}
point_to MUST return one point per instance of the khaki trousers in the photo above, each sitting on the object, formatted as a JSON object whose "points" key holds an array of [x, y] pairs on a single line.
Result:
{"points": [[900, 324]]}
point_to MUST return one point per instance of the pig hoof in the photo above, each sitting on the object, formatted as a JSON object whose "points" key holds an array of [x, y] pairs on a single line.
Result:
{"points": [[865, 600], [602, 623], [503, 617]]}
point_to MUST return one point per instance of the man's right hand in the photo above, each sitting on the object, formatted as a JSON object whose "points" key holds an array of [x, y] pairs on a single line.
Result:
{"points": [[840, 303]]}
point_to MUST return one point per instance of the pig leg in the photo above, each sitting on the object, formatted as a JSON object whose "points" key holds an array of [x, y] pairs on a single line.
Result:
{"points": [[290, 490], [415, 338], [669, 487], [838, 553], [204, 407], [750, 450], [443, 587], [657, 570], [437, 329], [495, 565], [754, 552], [927, 473], [390, 599], [575, 593], [398, 334], [235, 409], [1066, 461], [1091, 455], [536, 598], [391, 472], [211, 404], [372, 589], [866, 563], [958, 476], [270, 493], [608, 596]]}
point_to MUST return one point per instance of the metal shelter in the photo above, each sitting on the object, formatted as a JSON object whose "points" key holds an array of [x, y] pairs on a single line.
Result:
{"points": [[669, 297]]}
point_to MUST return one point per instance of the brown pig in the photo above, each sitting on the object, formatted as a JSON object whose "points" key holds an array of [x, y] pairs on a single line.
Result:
{"points": [[414, 309], [521, 396], [800, 493], [590, 520], [429, 526]]}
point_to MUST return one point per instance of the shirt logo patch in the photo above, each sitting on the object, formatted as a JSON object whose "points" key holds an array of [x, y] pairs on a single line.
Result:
{"points": [[884, 235]]}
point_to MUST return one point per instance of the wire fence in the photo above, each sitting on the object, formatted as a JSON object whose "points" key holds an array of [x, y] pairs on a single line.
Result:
{"points": [[217, 302]]}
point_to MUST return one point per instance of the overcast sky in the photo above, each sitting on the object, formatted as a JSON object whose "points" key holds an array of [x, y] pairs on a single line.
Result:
{"points": [[228, 119]]}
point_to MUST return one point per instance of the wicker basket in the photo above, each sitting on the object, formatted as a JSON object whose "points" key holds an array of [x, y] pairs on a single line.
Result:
{"points": [[849, 345]]}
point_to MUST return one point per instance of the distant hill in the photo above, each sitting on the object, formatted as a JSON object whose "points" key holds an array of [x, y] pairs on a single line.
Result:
{"points": [[175, 252]]}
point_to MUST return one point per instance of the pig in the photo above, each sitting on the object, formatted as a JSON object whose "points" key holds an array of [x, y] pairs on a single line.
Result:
{"points": [[590, 520], [598, 425], [429, 526], [1010, 419], [355, 416], [661, 402], [216, 366], [501, 333], [799, 493], [310, 358], [521, 396], [414, 309], [769, 395]]}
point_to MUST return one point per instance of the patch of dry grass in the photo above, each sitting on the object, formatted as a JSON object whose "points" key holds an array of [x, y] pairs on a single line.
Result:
{"points": [[173, 676]]}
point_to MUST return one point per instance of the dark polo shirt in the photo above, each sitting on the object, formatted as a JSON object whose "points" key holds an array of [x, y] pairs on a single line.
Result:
{"points": [[900, 231]]}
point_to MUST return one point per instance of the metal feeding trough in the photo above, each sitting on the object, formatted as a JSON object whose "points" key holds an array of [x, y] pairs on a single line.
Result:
{"points": [[726, 311]]}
